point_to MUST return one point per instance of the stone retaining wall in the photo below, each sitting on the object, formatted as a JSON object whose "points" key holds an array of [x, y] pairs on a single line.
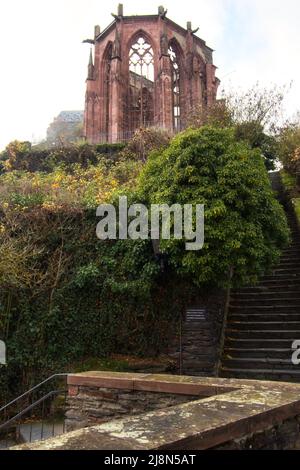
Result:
{"points": [[236, 414], [92, 405], [284, 436]]}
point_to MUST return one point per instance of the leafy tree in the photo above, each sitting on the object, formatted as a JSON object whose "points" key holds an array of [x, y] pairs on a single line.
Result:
{"points": [[144, 141], [25, 156], [262, 105], [253, 133], [15, 154], [62, 133], [245, 226], [255, 113], [218, 114], [289, 148]]}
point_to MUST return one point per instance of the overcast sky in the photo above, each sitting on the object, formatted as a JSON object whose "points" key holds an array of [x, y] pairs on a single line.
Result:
{"points": [[44, 63]]}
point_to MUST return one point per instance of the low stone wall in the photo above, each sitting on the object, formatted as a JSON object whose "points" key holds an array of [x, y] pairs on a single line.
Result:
{"points": [[92, 405], [284, 436], [236, 414]]}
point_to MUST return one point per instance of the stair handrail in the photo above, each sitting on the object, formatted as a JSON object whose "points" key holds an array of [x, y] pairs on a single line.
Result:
{"points": [[225, 320], [32, 390], [30, 407]]}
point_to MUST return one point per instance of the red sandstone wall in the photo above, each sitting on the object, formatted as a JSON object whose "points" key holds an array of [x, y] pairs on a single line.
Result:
{"points": [[197, 77]]}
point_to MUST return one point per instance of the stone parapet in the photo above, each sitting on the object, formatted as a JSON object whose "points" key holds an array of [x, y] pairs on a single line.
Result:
{"points": [[239, 414]]}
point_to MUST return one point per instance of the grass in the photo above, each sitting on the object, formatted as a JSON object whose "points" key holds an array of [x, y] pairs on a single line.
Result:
{"points": [[290, 184], [122, 363], [111, 364], [296, 204], [289, 181]]}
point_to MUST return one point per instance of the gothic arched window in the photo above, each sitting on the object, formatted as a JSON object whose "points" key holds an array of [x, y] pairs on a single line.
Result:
{"points": [[107, 83], [175, 86], [141, 84]]}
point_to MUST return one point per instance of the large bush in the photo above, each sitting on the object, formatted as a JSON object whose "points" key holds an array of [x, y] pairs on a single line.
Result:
{"points": [[68, 296], [245, 226], [23, 156], [64, 295], [289, 148]]}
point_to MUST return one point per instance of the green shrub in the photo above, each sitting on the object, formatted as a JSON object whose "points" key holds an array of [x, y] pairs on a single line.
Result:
{"points": [[245, 226], [296, 205], [289, 181]]}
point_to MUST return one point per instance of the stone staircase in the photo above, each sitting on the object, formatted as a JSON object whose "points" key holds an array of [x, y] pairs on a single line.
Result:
{"points": [[264, 321]]}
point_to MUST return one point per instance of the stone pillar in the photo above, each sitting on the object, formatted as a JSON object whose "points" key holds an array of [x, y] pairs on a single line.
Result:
{"points": [[188, 84], [165, 94], [117, 89], [116, 103], [89, 102], [89, 114], [193, 67], [212, 84], [164, 83]]}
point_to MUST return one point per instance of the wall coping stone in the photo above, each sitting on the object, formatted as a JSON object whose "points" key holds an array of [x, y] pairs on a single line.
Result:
{"points": [[179, 385], [236, 408]]}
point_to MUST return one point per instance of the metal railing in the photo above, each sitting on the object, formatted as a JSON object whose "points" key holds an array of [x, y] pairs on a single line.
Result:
{"points": [[31, 416], [123, 136]]}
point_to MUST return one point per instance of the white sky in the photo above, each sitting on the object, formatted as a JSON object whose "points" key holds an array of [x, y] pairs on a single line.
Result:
{"points": [[44, 63]]}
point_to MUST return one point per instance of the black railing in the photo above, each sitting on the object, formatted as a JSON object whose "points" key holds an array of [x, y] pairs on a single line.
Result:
{"points": [[123, 136], [35, 415]]}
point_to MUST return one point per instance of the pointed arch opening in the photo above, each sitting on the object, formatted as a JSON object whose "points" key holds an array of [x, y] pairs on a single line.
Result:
{"points": [[107, 56], [175, 57], [141, 82]]}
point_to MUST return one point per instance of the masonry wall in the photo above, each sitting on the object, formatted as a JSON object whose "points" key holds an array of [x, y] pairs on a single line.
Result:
{"points": [[284, 436], [107, 95], [239, 414], [87, 406], [197, 346]]}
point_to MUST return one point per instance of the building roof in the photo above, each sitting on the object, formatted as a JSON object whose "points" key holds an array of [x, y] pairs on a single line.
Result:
{"points": [[70, 116]]}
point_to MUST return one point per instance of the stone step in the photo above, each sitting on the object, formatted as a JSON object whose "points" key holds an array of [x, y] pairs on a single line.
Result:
{"points": [[280, 279], [266, 317], [260, 334], [246, 343], [294, 245], [261, 374], [285, 276], [261, 300], [268, 289], [264, 294], [292, 251], [283, 353], [264, 320], [261, 363], [282, 270], [291, 308], [292, 266], [266, 326]]}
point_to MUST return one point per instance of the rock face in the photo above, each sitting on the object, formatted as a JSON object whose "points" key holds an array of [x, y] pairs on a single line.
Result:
{"points": [[94, 405]]}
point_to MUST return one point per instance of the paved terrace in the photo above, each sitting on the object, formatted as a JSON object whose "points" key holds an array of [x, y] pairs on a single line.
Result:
{"points": [[231, 410]]}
